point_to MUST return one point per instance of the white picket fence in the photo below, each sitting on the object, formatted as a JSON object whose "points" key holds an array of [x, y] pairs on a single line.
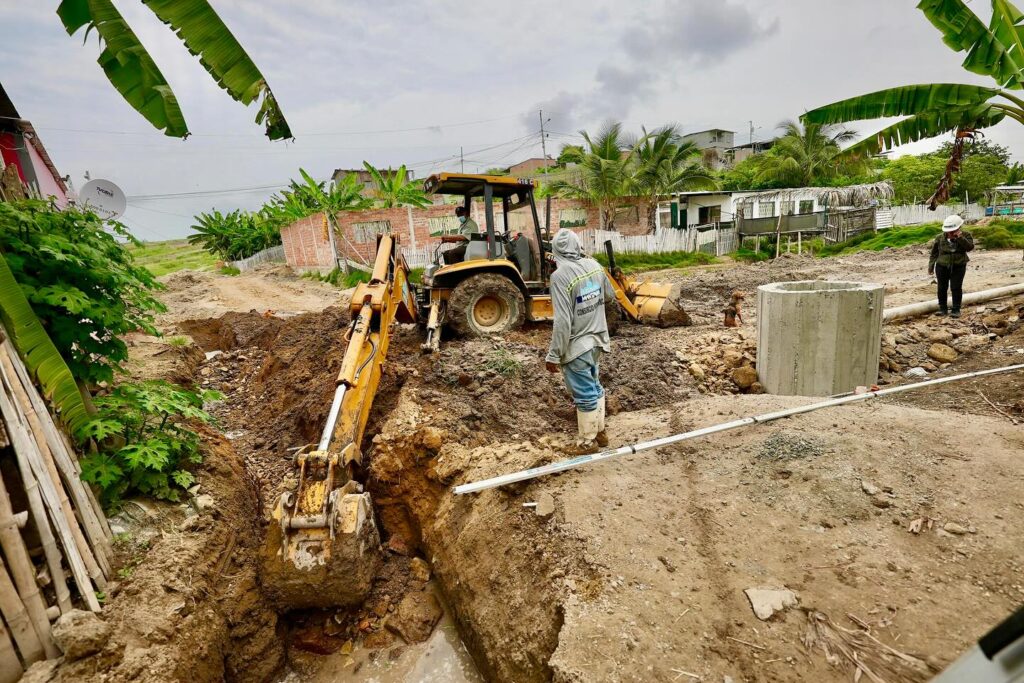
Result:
{"points": [[912, 214], [421, 257], [271, 255], [707, 238]]}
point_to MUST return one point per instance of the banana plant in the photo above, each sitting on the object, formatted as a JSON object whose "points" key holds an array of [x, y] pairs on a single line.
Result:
{"points": [[41, 357], [995, 50], [132, 71], [392, 188]]}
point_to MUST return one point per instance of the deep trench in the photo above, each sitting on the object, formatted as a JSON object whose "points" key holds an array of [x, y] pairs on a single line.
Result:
{"points": [[392, 505]]}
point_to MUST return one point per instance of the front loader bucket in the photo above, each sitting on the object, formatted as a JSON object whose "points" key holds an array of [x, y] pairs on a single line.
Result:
{"points": [[306, 567], [659, 304]]}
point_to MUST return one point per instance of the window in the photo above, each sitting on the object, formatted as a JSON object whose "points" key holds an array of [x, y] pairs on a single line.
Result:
{"points": [[709, 214], [806, 206], [765, 209], [747, 209], [572, 218], [787, 208], [443, 225], [367, 232]]}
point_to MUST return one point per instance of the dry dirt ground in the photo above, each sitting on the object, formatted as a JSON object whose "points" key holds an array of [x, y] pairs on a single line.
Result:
{"points": [[896, 524]]}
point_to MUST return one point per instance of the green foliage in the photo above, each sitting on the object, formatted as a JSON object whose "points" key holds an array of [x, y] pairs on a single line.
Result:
{"points": [[633, 263], [662, 164], [393, 188], [755, 249], [806, 156], [152, 446], [132, 71], [178, 341], [82, 284], [504, 363], [340, 278], [230, 271], [915, 177], [35, 347], [235, 235], [979, 147], [570, 154], [893, 238], [999, 234], [1014, 174]]}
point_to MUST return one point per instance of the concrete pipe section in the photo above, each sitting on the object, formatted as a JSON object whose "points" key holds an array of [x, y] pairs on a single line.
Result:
{"points": [[817, 338]]}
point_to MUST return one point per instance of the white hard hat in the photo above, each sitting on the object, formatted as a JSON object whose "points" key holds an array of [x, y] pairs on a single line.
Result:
{"points": [[952, 223]]}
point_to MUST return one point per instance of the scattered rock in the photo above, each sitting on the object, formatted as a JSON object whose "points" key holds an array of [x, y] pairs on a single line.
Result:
{"points": [[697, 372], [940, 336], [916, 372], [668, 564], [79, 634], [868, 487], [419, 569], [545, 505], [744, 377], [203, 502], [767, 601], [733, 358], [942, 353], [399, 545], [954, 528], [416, 616]]}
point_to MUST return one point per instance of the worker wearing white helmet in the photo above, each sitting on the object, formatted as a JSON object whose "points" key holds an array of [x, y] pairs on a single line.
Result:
{"points": [[948, 262]]}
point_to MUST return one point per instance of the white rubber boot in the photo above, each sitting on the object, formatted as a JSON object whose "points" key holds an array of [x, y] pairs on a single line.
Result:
{"points": [[588, 425], [601, 438]]}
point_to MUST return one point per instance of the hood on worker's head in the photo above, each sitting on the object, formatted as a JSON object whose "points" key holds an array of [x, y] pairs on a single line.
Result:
{"points": [[566, 245]]}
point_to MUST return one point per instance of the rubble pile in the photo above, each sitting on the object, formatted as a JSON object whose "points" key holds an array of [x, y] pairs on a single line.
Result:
{"points": [[724, 363], [917, 348]]}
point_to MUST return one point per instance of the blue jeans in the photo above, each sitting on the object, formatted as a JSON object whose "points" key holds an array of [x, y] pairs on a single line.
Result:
{"points": [[581, 378]]}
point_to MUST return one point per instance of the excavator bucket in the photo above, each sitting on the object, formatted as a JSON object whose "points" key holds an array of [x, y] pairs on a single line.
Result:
{"points": [[649, 303], [322, 547]]}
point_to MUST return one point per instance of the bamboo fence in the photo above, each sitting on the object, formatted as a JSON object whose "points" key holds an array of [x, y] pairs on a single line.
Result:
{"points": [[57, 546]]}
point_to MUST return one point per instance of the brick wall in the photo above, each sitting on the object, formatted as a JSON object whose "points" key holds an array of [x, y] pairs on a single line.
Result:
{"points": [[306, 244]]}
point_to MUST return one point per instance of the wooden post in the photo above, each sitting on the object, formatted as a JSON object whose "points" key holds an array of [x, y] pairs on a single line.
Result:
{"points": [[778, 235], [29, 644], [10, 668], [799, 243], [24, 574]]}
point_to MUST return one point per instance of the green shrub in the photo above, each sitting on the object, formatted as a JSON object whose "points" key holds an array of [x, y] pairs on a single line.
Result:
{"points": [[178, 341], [504, 363], [893, 238], [750, 256], [236, 235], [82, 284], [230, 271], [146, 443], [999, 234]]}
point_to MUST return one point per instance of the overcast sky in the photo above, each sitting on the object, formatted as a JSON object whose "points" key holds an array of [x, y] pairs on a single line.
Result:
{"points": [[402, 81]]}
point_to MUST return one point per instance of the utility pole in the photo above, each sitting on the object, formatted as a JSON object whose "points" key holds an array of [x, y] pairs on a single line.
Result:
{"points": [[751, 136], [462, 160], [543, 136]]}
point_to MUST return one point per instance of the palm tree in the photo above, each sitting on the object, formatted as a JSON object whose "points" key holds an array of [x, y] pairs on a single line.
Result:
{"points": [[602, 175], [317, 196], [933, 109], [806, 156], [132, 71], [392, 188], [663, 164]]}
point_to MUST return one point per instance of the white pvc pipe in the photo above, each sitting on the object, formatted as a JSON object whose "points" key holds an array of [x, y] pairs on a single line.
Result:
{"points": [[332, 418], [924, 307], [572, 463]]}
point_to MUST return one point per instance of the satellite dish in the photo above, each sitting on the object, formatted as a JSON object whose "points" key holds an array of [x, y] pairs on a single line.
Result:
{"points": [[103, 197]]}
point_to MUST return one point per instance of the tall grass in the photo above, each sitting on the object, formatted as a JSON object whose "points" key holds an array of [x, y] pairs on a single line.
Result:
{"points": [[632, 263], [999, 234]]}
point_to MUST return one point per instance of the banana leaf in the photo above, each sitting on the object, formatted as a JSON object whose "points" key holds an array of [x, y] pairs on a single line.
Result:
{"points": [[927, 124], [990, 50], [901, 101], [127, 64], [206, 36], [41, 357]]}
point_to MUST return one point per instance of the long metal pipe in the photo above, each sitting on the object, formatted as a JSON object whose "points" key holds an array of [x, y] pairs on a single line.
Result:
{"points": [[924, 307], [572, 463], [332, 418]]}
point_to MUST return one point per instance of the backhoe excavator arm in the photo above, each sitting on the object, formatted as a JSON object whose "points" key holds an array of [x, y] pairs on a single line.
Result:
{"points": [[325, 547]]}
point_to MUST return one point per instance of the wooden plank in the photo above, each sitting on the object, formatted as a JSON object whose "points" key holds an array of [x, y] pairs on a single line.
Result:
{"points": [[16, 617]]}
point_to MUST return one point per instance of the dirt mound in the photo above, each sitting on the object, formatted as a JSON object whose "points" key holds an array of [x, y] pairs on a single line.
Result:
{"points": [[232, 331], [188, 604]]}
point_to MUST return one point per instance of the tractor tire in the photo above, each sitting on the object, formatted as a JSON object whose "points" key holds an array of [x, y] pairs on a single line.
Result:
{"points": [[486, 304]]}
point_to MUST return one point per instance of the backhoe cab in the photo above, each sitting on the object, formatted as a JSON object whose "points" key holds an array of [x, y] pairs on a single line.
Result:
{"points": [[504, 277]]}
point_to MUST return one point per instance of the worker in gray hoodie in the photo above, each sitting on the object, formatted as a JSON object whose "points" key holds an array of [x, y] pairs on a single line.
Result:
{"points": [[579, 290]]}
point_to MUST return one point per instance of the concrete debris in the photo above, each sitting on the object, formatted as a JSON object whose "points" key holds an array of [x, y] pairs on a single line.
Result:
{"points": [[869, 488], [545, 505], [210, 355], [790, 446], [767, 601], [916, 372], [79, 634]]}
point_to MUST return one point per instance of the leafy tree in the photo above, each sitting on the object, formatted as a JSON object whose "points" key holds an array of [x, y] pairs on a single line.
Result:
{"points": [[662, 164], [1014, 174], [236, 235], [496, 170], [393, 188], [602, 175], [82, 284], [933, 109], [806, 156], [570, 154], [978, 147], [148, 423], [914, 177], [131, 70]]}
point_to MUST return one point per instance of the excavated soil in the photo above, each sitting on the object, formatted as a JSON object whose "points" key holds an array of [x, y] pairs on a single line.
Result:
{"points": [[895, 531]]}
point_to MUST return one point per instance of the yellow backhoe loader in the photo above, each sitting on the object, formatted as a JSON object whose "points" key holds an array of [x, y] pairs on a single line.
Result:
{"points": [[323, 548]]}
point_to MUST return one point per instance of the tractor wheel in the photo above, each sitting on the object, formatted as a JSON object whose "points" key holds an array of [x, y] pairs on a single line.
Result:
{"points": [[486, 304]]}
